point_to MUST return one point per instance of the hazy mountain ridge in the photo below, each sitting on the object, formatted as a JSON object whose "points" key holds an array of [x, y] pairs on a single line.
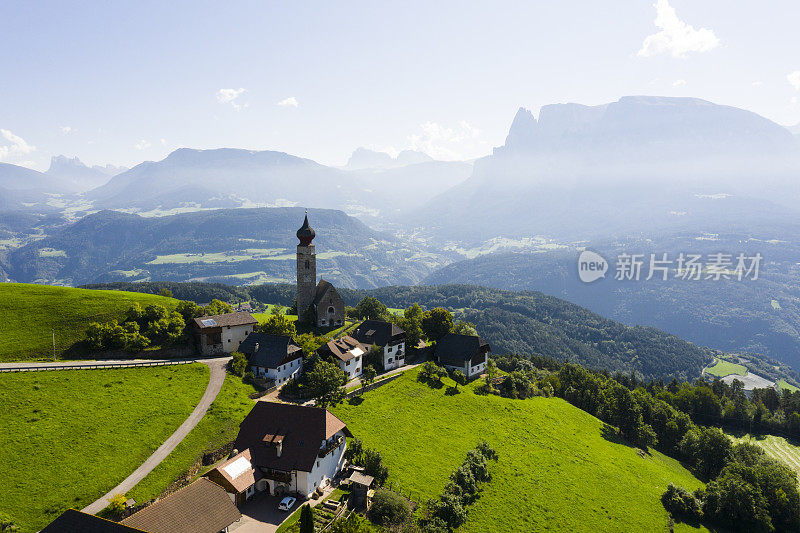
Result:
{"points": [[238, 246], [82, 177], [364, 158], [632, 166]]}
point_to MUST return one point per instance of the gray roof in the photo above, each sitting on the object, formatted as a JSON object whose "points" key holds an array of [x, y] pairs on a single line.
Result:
{"points": [[322, 290], [378, 332], [273, 350], [456, 349], [361, 478], [238, 318]]}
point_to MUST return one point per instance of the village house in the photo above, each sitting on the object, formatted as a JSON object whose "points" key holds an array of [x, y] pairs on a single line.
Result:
{"points": [[200, 507], [274, 357], [347, 352], [389, 337], [297, 449], [319, 303], [237, 476], [466, 353], [219, 334]]}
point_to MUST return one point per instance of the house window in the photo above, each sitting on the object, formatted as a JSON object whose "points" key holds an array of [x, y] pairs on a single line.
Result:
{"points": [[307, 263], [317, 463], [389, 349], [390, 360], [347, 363], [229, 340]]}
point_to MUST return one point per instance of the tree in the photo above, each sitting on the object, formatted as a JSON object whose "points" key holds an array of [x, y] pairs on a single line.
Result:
{"points": [[306, 519], [389, 508], [412, 324], [464, 328], [238, 364], [166, 293], [354, 523], [459, 378], [326, 383], [217, 307], [368, 376], [374, 357], [681, 503], [189, 311], [437, 323], [277, 309], [373, 465], [450, 509], [370, 308], [278, 324]]}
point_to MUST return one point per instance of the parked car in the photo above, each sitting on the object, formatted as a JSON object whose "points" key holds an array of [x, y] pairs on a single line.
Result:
{"points": [[286, 503]]}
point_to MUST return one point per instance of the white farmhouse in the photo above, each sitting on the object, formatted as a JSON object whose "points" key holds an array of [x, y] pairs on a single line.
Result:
{"points": [[347, 352], [295, 448], [390, 337], [466, 353], [274, 357], [218, 334]]}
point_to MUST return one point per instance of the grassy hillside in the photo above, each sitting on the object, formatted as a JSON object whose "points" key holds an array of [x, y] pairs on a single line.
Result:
{"points": [[70, 436], [217, 428], [556, 470], [31, 313]]}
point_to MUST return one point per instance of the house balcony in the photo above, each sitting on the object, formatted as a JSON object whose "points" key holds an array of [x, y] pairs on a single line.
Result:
{"points": [[277, 475], [331, 446]]}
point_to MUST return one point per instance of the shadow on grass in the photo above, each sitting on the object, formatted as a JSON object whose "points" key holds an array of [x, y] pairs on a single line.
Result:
{"points": [[432, 383], [356, 400], [452, 391], [611, 434]]}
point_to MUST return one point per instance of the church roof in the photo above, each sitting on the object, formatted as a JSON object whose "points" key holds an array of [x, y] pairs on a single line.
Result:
{"points": [[323, 287], [306, 233]]}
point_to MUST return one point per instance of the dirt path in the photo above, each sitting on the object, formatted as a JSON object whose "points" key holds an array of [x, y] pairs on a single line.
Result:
{"points": [[216, 379]]}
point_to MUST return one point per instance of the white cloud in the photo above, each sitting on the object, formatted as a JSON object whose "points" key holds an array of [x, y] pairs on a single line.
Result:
{"points": [[678, 83], [440, 142], [229, 96], [793, 100], [66, 129], [676, 37], [289, 102], [757, 83], [142, 145], [794, 79], [163, 142], [18, 146]]}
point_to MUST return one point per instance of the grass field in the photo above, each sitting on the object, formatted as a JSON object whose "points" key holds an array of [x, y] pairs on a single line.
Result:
{"points": [[777, 447], [556, 470], [32, 312], [70, 436], [217, 428], [788, 386], [725, 368]]}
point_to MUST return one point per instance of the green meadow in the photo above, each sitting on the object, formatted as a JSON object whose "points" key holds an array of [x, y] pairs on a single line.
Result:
{"points": [[70, 436], [559, 469], [33, 313], [725, 368]]}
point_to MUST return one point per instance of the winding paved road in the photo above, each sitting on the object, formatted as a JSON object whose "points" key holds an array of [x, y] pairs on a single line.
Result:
{"points": [[216, 379]]}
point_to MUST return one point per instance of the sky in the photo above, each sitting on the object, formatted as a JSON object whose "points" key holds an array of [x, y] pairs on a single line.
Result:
{"points": [[125, 82]]}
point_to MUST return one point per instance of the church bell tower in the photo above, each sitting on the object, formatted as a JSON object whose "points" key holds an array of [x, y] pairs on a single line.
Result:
{"points": [[306, 268]]}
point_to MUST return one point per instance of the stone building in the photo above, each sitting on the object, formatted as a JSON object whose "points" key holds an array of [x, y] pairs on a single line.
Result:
{"points": [[321, 302]]}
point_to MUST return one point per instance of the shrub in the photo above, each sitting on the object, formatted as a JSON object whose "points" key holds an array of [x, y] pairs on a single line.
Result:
{"points": [[306, 519], [681, 503], [389, 508], [116, 504], [249, 377], [238, 364]]}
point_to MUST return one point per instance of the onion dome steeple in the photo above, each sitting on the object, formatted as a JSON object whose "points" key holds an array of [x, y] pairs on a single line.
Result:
{"points": [[306, 233]]}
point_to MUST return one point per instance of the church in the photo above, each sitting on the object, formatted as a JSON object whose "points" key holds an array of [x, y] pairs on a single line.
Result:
{"points": [[319, 303]]}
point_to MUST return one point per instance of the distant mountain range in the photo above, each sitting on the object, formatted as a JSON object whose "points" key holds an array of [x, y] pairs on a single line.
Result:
{"points": [[632, 166], [81, 177], [364, 158]]}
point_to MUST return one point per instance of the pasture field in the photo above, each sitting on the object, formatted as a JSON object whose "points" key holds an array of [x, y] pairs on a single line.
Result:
{"points": [[70, 436], [725, 368], [783, 384], [777, 447], [217, 428], [32, 313], [559, 467]]}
